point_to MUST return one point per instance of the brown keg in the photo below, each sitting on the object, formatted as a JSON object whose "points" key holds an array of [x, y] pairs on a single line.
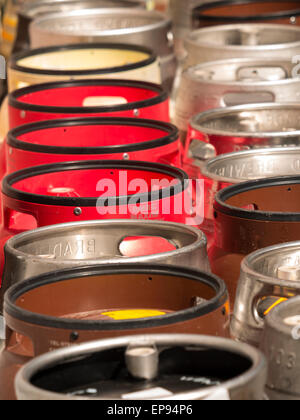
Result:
{"points": [[247, 11], [89, 303], [251, 216]]}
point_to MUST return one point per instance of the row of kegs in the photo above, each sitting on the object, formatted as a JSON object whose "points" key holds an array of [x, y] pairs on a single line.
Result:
{"points": [[123, 276]]}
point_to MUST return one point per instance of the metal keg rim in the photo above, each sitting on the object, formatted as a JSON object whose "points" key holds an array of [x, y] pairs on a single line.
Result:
{"points": [[189, 73], [14, 60], [198, 120], [21, 288], [266, 216], [248, 262], [13, 98], [161, 21], [253, 18], [30, 10], [49, 360], [171, 135], [268, 151], [178, 174], [192, 38], [199, 239]]}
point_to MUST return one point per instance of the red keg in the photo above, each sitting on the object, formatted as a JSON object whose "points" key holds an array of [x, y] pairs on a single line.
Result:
{"points": [[88, 98], [92, 190], [66, 140]]}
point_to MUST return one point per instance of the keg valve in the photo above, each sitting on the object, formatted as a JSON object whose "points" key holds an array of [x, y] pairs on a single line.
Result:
{"points": [[142, 361]]}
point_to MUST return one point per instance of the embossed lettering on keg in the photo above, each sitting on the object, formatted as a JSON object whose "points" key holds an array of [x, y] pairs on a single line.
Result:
{"points": [[281, 345], [83, 61], [234, 82], [155, 356], [106, 302], [32, 10], [257, 41], [268, 277], [234, 168], [251, 216], [128, 26], [244, 127]]}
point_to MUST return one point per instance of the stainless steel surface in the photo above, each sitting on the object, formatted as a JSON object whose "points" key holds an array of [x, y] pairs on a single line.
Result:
{"points": [[69, 245], [142, 362], [272, 125], [32, 10], [258, 41], [246, 382], [233, 82], [281, 344], [261, 278], [233, 168], [119, 25]]}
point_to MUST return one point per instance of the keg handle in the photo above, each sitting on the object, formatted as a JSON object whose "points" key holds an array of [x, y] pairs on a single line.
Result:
{"points": [[199, 151], [10, 216]]}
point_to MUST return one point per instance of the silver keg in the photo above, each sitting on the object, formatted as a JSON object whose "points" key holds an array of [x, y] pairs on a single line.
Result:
{"points": [[244, 127], [102, 242], [268, 277], [154, 367], [258, 41], [234, 82], [281, 344], [118, 25], [34, 9]]}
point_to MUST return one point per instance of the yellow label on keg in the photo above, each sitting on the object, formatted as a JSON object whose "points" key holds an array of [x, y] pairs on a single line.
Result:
{"points": [[132, 314]]}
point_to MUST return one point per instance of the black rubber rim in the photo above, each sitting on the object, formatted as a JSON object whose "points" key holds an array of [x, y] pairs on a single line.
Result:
{"points": [[229, 192], [14, 101], [22, 288], [198, 12], [13, 64], [10, 180], [171, 136]]}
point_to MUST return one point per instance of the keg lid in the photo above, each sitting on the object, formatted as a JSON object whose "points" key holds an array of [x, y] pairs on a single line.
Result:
{"points": [[142, 368]]}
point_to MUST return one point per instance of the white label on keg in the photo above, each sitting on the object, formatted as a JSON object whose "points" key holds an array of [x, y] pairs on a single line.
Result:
{"points": [[221, 394], [104, 101], [148, 394]]}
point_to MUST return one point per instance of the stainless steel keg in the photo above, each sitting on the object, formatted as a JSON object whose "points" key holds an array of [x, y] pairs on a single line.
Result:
{"points": [[32, 10], [258, 41], [234, 82], [160, 367], [268, 277], [130, 26], [103, 242], [281, 344], [244, 127]]}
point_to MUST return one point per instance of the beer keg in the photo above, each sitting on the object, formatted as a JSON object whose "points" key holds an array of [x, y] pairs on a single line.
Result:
{"points": [[66, 140], [88, 98], [234, 82], [83, 61], [92, 190], [251, 216], [107, 302], [268, 277], [232, 11], [163, 367], [125, 25], [280, 343], [33, 10], [243, 127], [235, 168], [251, 40]]}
